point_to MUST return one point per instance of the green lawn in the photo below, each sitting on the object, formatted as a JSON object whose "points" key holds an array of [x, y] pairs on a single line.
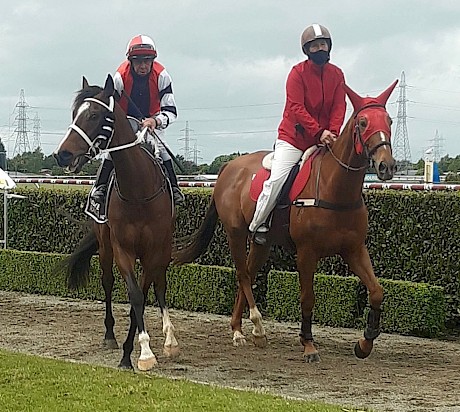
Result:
{"points": [[29, 383]]}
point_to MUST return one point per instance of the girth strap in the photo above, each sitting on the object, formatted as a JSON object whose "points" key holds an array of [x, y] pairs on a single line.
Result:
{"points": [[340, 207]]}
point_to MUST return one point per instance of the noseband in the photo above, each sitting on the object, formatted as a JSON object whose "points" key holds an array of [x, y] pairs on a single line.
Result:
{"points": [[357, 136], [104, 138]]}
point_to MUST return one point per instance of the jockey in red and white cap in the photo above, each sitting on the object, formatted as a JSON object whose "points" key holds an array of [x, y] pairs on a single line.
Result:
{"points": [[145, 89]]}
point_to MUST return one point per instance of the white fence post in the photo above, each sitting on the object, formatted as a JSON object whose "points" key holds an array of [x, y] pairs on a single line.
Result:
{"points": [[6, 183]]}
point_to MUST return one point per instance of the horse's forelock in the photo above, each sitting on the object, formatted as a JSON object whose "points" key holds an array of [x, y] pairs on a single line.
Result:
{"points": [[83, 94]]}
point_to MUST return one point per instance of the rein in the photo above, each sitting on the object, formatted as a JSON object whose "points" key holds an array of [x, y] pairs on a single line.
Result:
{"points": [[344, 165], [105, 138], [324, 204], [168, 150], [317, 201]]}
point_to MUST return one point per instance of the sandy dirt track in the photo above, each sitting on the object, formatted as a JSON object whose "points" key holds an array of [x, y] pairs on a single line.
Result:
{"points": [[402, 374]]}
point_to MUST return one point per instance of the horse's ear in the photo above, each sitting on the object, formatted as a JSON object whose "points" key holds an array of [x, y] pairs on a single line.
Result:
{"points": [[85, 83], [355, 98], [109, 87], [382, 99]]}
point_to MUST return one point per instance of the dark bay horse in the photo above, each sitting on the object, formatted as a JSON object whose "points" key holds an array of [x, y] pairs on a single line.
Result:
{"points": [[140, 217], [337, 226]]}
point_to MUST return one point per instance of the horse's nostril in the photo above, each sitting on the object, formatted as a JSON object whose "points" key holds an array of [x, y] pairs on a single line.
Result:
{"points": [[383, 167], [63, 158]]}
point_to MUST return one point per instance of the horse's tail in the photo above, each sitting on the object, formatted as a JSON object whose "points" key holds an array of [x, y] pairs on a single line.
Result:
{"points": [[76, 266], [186, 250]]}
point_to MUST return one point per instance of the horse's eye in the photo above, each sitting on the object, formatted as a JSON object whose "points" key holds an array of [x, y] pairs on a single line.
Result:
{"points": [[362, 123], [93, 116]]}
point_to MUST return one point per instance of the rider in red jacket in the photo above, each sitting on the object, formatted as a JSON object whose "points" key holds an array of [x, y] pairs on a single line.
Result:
{"points": [[313, 113], [315, 102]]}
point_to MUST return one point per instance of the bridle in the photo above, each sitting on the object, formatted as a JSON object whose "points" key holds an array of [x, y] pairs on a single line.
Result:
{"points": [[357, 136], [104, 138]]}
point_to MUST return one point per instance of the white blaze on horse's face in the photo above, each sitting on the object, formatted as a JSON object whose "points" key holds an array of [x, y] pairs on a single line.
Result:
{"points": [[384, 139], [81, 109], [84, 106]]}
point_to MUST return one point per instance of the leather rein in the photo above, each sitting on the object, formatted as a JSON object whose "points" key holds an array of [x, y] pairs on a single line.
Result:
{"points": [[317, 202], [100, 143]]}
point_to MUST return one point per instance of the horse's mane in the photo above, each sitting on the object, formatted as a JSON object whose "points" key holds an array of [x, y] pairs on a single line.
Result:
{"points": [[83, 94]]}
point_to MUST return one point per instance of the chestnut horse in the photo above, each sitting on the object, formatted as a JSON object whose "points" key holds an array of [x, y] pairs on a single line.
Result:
{"points": [[140, 217], [335, 224]]}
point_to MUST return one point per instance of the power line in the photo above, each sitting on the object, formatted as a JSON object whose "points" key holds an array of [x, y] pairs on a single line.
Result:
{"points": [[419, 119], [433, 90], [184, 108], [230, 107], [231, 133], [456, 108]]}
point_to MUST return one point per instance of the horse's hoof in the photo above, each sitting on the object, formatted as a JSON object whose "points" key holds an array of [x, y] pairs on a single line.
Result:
{"points": [[260, 341], [147, 364], [311, 357], [239, 339], [171, 351], [125, 366], [363, 348], [110, 344]]}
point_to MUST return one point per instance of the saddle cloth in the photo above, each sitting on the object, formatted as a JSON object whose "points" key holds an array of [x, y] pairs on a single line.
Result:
{"points": [[97, 209]]}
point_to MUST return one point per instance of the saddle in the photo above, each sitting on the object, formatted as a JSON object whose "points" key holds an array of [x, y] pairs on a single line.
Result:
{"points": [[296, 181]]}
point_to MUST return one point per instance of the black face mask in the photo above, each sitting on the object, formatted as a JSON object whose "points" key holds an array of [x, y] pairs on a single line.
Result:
{"points": [[320, 57]]}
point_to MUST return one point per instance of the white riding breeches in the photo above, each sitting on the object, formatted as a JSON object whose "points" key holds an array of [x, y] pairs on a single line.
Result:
{"points": [[285, 157]]}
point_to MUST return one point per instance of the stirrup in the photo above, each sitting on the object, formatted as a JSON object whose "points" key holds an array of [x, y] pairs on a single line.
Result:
{"points": [[260, 237], [100, 192]]}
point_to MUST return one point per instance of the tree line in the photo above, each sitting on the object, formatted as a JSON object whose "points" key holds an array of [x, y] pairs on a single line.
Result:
{"points": [[36, 162]]}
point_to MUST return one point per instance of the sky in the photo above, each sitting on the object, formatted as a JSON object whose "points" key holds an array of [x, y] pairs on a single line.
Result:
{"points": [[229, 61]]}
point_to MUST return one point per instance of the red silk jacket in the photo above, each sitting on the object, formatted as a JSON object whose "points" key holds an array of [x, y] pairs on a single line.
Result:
{"points": [[315, 100]]}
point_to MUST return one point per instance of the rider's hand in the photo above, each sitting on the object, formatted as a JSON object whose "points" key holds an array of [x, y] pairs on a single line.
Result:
{"points": [[327, 137], [149, 122]]}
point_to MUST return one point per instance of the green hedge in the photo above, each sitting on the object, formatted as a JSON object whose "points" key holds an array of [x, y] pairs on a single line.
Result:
{"points": [[413, 308], [336, 298], [191, 287], [202, 288], [413, 236], [408, 308]]}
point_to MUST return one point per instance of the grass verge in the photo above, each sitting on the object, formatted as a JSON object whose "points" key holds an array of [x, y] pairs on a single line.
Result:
{"points": [[30, 383]]}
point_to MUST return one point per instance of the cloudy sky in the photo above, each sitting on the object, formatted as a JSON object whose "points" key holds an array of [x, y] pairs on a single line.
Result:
{"points": [[229, 61]]}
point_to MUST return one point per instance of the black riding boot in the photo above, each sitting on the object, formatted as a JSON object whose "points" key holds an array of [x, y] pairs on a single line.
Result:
{"points": [[178, 196], [102, 180]]}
